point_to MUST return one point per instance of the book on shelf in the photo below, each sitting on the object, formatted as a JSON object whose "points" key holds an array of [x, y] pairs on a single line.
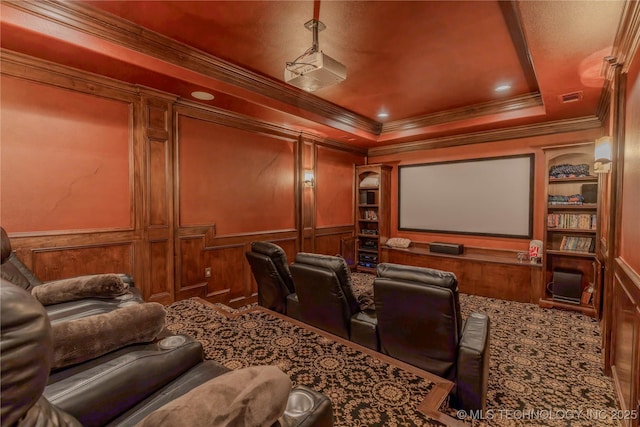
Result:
{"points": [[582, 221], [577, 244]]}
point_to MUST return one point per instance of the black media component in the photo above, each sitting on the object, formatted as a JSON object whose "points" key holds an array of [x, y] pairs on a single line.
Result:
{"points": [[567, 286], [446, 248], [589, 193]]}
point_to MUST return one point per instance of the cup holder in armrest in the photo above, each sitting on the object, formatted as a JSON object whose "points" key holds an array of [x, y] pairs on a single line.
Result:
{"points": [[172, 342], [300, 402]]}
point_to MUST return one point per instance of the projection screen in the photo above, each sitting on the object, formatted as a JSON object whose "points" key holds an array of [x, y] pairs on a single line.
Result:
{"points": [[491, 196]]}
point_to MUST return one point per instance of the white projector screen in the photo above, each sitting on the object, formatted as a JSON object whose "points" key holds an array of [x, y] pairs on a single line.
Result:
{"points": [[491, 197]]}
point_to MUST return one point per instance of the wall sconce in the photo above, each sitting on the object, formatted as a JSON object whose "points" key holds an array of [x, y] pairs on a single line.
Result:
{"points": [[309, 181], [602, 155]]}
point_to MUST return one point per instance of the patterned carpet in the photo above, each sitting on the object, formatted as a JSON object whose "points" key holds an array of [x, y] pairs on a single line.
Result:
{"points": [[545, 367], [364, 390], [545, 364]]}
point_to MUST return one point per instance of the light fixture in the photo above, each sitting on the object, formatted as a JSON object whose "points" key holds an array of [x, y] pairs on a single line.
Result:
{"points": [[309, 181], [502, 88], [203, 96], [313, 69], [602, 155], [383, 115]]}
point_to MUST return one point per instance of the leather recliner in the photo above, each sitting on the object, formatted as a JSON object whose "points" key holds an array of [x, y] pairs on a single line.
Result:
{"points": [[118, 388], [419, 322], [270, 268], [323, 286], [13, 270]]}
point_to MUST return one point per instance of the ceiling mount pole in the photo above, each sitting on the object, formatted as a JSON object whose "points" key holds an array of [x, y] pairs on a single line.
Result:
{"points": [[315, 27]]}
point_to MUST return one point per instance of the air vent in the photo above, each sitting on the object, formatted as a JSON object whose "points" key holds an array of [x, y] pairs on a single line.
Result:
{"points": [[571, 97]]}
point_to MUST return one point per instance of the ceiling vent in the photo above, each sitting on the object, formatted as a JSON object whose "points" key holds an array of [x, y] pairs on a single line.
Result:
{"points": [[571, 97], [313, 69]]}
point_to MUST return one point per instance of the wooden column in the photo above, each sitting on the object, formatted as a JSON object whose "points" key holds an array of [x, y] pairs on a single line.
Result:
{"points": [[157, 197]]}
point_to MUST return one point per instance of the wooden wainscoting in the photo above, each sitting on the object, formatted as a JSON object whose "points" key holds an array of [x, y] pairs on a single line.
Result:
{"points": [[491, 273], [625, 339], [231, 281], [53, 257], [328, 240]]}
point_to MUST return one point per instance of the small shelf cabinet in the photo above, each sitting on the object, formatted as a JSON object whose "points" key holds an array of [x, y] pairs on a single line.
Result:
{"points": [[373, 184], [571, 227]]}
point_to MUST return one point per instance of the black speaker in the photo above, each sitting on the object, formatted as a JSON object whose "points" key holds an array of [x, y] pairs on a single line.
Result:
{"points": [[589, 192], [446, 248], [567, 286], [371, 198]]}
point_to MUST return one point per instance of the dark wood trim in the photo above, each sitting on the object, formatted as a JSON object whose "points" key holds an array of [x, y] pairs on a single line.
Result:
{"points": [[97, 23], [464, 113], [41, 71], [548, 128], [512, 19], [627, 39]]}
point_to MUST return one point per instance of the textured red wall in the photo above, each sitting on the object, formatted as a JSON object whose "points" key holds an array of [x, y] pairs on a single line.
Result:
{"points": [[65, 159], [334, 187], [238, 180], [631, 181]]}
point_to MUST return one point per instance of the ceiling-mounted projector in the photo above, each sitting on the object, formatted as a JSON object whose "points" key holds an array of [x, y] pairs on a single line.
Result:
{"points": [[316, 71], [313, 69]]}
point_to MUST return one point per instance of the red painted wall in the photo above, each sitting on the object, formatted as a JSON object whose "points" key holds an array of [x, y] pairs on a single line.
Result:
{"points": [[473, 151], [238, 180], [334, 187], [631, 181], [65, 159]]}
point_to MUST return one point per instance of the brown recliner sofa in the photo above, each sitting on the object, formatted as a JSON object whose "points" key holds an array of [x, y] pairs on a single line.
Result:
{"points": [[323, 287], [419, 322], [143, 382], [270, 268]]}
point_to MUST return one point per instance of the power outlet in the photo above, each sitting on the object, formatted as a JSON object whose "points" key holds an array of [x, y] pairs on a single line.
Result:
{"points": [[207, 272]]}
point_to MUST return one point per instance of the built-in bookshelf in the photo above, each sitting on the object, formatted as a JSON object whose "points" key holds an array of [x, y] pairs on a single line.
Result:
{"points": [[571, 226], [372, 214]]}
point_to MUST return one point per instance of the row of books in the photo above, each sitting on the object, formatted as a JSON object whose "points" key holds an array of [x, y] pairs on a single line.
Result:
{"points": [[570, 220], [577, 244]]}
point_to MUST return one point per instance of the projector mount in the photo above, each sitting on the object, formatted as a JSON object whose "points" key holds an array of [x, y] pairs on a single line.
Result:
{"points": [[313, 69], [315, 27]]}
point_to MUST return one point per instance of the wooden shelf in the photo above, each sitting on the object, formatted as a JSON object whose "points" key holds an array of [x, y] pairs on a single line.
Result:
{"points": [[372, 202], [584, 263], [590, 178], [587, 310], [571, 253], [588, 206], [571, 230]]}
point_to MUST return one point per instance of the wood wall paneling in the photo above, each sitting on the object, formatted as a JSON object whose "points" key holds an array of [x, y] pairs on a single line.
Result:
{"points": [[62, 262], [158, 196], [328, 240], [625, 337], [476, 274], [228, 281]]}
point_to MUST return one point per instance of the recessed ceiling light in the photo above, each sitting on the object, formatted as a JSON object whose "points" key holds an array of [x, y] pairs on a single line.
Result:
{"points": [[502, 88], [204, 96], [383, 115]]}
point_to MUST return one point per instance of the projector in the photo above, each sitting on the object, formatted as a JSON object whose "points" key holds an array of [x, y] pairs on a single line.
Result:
{"points": [[315, 71]]}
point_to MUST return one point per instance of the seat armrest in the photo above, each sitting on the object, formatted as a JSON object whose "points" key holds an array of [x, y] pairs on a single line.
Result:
{"points": [[293, 306], [473, 363], [364, 329], [306, 408]]}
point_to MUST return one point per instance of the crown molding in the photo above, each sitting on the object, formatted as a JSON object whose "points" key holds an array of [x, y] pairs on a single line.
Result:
{"points": [[97, 23], [627, 38], [517, 132], [463, 113]]}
